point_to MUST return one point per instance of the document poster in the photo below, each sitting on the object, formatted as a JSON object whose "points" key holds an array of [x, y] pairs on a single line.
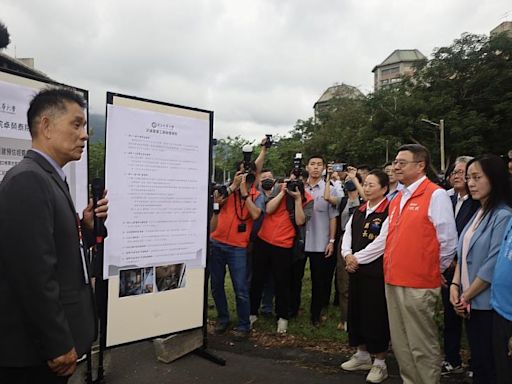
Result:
{"points": [[157, 167], [16, 92]]}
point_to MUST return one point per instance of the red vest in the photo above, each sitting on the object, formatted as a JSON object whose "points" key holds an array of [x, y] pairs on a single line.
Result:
{"points": [[228, 221], [277, 228], [411, 258]]}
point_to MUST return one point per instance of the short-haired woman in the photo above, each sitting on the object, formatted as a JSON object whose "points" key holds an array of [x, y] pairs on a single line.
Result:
{"points": [[363, 249]]}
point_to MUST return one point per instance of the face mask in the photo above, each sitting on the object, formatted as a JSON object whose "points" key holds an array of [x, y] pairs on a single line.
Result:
{"points": [[267, 184], [350, 186]]}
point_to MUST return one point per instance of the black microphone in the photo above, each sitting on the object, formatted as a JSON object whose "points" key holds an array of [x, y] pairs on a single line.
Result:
{"points": [[97, 190]]}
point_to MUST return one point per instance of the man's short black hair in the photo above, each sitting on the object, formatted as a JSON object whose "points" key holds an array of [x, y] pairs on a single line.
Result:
{"points": [[365, 167], [316, 157], [419, 152], [51, 98]]}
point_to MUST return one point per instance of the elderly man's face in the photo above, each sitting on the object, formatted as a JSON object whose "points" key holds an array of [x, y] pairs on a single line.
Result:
{"points": [[65, 133], [458, 177]]}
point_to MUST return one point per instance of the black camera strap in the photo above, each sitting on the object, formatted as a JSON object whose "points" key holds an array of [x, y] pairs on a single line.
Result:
{"points": [[290, 207], [241, 203]]}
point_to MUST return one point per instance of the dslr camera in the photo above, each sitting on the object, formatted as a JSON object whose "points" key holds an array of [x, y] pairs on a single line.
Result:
{"points": [[297, 171], [221, 189], [249, 166]]}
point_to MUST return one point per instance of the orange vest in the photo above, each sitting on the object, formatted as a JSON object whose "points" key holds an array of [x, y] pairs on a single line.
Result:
{"points": [[411, 258], [228, 221], [277, 228]]}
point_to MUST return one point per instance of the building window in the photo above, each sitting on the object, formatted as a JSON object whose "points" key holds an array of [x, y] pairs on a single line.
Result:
{"points": [[390, 71]]}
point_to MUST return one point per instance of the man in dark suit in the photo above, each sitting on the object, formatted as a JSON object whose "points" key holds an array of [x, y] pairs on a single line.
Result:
{"points": [[464, 207], [48, 317]]}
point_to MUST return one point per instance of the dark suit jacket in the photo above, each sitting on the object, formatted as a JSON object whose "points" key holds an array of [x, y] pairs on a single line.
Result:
{"points": [[46, 308], [466, 212]]}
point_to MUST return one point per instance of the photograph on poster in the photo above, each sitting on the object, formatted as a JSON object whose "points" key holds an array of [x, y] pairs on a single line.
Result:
{"points": [[137, 281], [170, 277]]}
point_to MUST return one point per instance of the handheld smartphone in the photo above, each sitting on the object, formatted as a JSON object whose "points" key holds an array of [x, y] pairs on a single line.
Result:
{"points": [[339, 167]]}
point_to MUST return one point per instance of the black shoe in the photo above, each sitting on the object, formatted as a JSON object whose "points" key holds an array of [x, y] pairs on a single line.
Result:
{"points": [[240, 334], [221, 328]]}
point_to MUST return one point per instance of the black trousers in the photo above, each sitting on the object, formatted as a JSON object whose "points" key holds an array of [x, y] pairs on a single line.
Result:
{"points": [[479, 327], [30, 375], [322, 269], [367, 311], [278, 260], [452, 324], [297, 274], [502, 332]]}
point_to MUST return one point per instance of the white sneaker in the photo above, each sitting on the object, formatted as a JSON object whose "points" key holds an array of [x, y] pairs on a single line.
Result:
{"points": [[282, 325], [252, 319], [377, 374], [357, 364]]}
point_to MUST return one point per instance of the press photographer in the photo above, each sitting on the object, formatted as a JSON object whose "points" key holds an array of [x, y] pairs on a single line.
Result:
{"points": [[233, 219], [275, 242]]}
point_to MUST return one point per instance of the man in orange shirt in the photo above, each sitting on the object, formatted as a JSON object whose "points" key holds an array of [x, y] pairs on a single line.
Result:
{"points": [[420, 245], [229, 241]]}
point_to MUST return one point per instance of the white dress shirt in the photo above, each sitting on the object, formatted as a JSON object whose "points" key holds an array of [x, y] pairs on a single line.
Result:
{"points": [[373, 250]]}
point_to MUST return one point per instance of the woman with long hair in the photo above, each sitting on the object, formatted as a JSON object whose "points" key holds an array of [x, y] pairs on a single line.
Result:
{"points": [[478, 248]]}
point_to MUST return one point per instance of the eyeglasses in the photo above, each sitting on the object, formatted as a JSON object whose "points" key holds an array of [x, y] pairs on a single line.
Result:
{"points": [[403, 163], [459, 172]]}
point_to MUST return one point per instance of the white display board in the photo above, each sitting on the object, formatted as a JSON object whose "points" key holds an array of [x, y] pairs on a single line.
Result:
{"points": [[16, 92], [157, 161]]}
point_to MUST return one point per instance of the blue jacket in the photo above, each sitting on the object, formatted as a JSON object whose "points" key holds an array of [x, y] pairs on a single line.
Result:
{"points": [[501, 288], [483, 251]]}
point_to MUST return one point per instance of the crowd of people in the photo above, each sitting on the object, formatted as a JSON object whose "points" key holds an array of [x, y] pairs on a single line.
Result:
{"points": [[395, 243]]}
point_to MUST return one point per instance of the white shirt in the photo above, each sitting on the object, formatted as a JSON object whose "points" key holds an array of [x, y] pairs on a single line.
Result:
{"points": [[337, 188], [460, 201], [374, 250], [440, 214]]}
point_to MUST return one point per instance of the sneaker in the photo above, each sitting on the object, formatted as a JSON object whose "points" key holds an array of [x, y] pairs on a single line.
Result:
{"points": [[377, 374], [282, 325], [356, 364], [253, 319], [447, 368]]}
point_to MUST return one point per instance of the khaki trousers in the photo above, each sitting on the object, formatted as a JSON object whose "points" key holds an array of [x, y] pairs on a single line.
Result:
{"points": [[414, 333]]}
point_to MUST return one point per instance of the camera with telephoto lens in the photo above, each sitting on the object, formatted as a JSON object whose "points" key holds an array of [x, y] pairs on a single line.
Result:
{"points": [[297, 171], [249, 166]]}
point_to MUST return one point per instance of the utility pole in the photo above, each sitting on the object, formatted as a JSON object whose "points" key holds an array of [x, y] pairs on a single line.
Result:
{"points": [[441, 139]]}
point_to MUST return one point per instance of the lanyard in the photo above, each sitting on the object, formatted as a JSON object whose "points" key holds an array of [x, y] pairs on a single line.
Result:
{"points": [[82, 250]]}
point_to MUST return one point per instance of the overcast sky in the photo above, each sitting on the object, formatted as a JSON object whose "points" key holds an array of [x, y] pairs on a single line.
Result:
{"points": [[259, 65]]}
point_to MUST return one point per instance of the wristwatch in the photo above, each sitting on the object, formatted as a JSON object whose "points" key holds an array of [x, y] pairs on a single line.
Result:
{"points": [[331, 241], [244, 197]]}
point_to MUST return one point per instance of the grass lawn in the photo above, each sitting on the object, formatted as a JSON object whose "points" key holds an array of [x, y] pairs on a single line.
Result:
{"points": [[300, 326]]}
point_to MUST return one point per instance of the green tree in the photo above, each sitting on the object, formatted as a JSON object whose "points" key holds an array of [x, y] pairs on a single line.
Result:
{"points": [[96, 160], [5, 38]]}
